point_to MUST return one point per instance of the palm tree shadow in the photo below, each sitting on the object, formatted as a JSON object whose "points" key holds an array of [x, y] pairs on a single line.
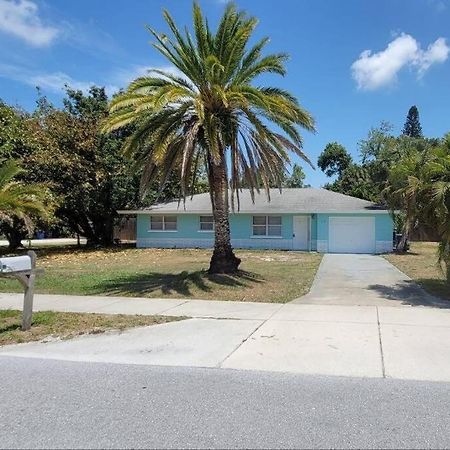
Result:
{"points": [[409, 293], [144, 284]]}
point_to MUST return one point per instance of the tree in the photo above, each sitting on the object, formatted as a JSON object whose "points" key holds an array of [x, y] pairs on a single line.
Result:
{"points": [[84, 168], [212, 112], [20, 200], [419, 185], [334, 159], [412, 127], [296, 179]]}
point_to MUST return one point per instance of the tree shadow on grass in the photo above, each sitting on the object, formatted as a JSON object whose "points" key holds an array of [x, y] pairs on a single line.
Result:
{"points": [[143, 284], [409, 292]]}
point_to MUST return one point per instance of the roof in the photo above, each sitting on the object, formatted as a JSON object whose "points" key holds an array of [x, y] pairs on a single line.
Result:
{"points": [[295, 200]]}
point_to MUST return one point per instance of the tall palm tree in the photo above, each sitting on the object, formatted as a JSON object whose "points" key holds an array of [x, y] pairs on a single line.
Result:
{"points": [[19, 199], [209, 111]]}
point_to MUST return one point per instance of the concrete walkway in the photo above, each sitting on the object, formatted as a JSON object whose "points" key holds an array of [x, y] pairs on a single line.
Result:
{"points": [[365, 280], [360, 341]]}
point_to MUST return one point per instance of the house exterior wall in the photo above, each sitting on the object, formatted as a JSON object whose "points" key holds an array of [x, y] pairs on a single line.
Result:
{"points": [[188, 235]]}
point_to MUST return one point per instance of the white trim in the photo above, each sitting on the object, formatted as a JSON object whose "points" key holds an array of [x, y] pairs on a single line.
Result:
{"points": [[162, 231], [254, 213], [272, 244], [205, 231], [265, 236]]}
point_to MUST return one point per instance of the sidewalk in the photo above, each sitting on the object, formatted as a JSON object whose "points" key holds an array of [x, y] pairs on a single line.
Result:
{"points": [[359, 341]]}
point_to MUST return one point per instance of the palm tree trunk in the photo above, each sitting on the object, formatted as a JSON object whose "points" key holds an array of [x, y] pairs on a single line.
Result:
{"points": [[223, 259]]}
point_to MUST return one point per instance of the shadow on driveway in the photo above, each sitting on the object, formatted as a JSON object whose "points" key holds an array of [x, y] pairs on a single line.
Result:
{"points": [[408, 293]]}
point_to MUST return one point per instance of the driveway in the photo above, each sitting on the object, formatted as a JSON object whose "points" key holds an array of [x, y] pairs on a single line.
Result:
{"points": [[364, 280]]}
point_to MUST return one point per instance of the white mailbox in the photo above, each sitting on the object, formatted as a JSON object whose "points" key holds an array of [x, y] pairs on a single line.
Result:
{"points": [[23, 268], [15, 264]]}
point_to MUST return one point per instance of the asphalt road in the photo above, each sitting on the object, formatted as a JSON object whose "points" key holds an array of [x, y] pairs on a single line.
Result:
{"points": [[59, 404]]}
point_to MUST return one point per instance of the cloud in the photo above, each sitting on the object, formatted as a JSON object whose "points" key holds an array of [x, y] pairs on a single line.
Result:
{"points": [[20, 18], [374, 70], [55, 82]]}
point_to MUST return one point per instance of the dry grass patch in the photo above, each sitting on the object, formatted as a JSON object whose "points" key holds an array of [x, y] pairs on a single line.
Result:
{"points": [[420, 263], [62, 325], [267, 276]]}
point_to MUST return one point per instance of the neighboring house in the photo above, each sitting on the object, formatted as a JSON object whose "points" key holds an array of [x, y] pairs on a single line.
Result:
{"points": [[295, 219]]}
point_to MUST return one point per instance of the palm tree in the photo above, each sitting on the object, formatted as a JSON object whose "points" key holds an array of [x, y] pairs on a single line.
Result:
{"points": [[420, 185], [436, 210], [209, 111], [18, 199]]}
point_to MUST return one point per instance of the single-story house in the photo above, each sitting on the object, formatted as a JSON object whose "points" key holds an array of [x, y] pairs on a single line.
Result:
{"points": [[296, 219]]}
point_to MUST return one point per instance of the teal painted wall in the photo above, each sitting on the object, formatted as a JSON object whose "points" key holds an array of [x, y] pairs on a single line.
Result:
{"points": [[241, 227], [384, 227], [188, 226]]}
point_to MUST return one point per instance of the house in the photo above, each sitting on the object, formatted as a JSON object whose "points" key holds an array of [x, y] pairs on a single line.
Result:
{"points": [[295, 219]]}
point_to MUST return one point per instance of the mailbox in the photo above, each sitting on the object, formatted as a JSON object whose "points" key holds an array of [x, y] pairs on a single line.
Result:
{"points": [[23, 268], [15, 264]]}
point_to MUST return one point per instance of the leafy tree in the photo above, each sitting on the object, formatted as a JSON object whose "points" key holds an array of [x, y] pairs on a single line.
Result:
{"points": [[334, 159], [412, 127], [213, 113], [379, 141], [296, 179], [84, 168]]}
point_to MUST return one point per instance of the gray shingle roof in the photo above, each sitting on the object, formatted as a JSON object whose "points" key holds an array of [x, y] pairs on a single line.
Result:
{"points": [[303, 200]]}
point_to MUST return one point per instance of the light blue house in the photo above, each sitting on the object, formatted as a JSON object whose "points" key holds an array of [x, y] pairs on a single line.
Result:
{"points": [[295, 219]]}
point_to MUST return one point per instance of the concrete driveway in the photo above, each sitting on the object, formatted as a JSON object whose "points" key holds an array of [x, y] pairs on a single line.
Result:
{"points": [[365, 280]]}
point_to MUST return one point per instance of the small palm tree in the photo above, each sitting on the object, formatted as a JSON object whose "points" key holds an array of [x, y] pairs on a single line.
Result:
{"points": [[17, 199], [420, 186], [212, 113]]}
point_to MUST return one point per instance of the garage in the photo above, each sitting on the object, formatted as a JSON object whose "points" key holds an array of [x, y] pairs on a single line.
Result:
{"points": [[351, 235]]}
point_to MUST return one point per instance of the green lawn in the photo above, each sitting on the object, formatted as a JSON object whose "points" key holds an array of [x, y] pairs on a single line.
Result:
{"points": [[420, 263], [61, 325], [267, 276]]}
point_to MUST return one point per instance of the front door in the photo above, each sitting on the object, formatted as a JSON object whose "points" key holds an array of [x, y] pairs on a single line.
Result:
{"points": [[300, 239]]}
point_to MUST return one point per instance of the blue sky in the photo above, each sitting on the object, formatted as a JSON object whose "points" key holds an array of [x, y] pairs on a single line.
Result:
{"points": [[353, 63]]}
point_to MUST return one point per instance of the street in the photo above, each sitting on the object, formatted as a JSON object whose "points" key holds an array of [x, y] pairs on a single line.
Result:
{"points": [[62, 404]]}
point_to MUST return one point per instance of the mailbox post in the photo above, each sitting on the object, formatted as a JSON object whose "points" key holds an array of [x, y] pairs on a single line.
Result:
{"points": [[23, 268]]}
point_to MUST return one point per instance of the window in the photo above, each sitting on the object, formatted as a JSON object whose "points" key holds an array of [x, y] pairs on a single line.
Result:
{"points": [[206, 223], [266, 225], [163, 223]]}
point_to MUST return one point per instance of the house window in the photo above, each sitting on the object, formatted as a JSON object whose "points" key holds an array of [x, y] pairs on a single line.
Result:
{"points": [[163, 223], [206, 223], [266, 225]]}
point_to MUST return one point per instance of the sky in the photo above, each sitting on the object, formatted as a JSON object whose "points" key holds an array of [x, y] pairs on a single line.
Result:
{"points": [[352, 64]]}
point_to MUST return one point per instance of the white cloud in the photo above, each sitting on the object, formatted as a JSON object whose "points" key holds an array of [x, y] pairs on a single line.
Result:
{"points": [[437, 52], [374, 70], [54, 82], [20, 18]]}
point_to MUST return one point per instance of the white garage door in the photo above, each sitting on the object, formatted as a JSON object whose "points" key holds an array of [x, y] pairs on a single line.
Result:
{"points": [[351, 235]]}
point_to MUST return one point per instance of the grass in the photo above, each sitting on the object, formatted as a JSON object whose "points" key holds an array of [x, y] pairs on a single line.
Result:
{"points": [[267, 276], [67, 325], [420, 263]]}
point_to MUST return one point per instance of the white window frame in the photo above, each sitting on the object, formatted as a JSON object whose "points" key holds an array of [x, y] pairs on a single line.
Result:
{"points": [[200, 223], [163, 221], [266, 225]]}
